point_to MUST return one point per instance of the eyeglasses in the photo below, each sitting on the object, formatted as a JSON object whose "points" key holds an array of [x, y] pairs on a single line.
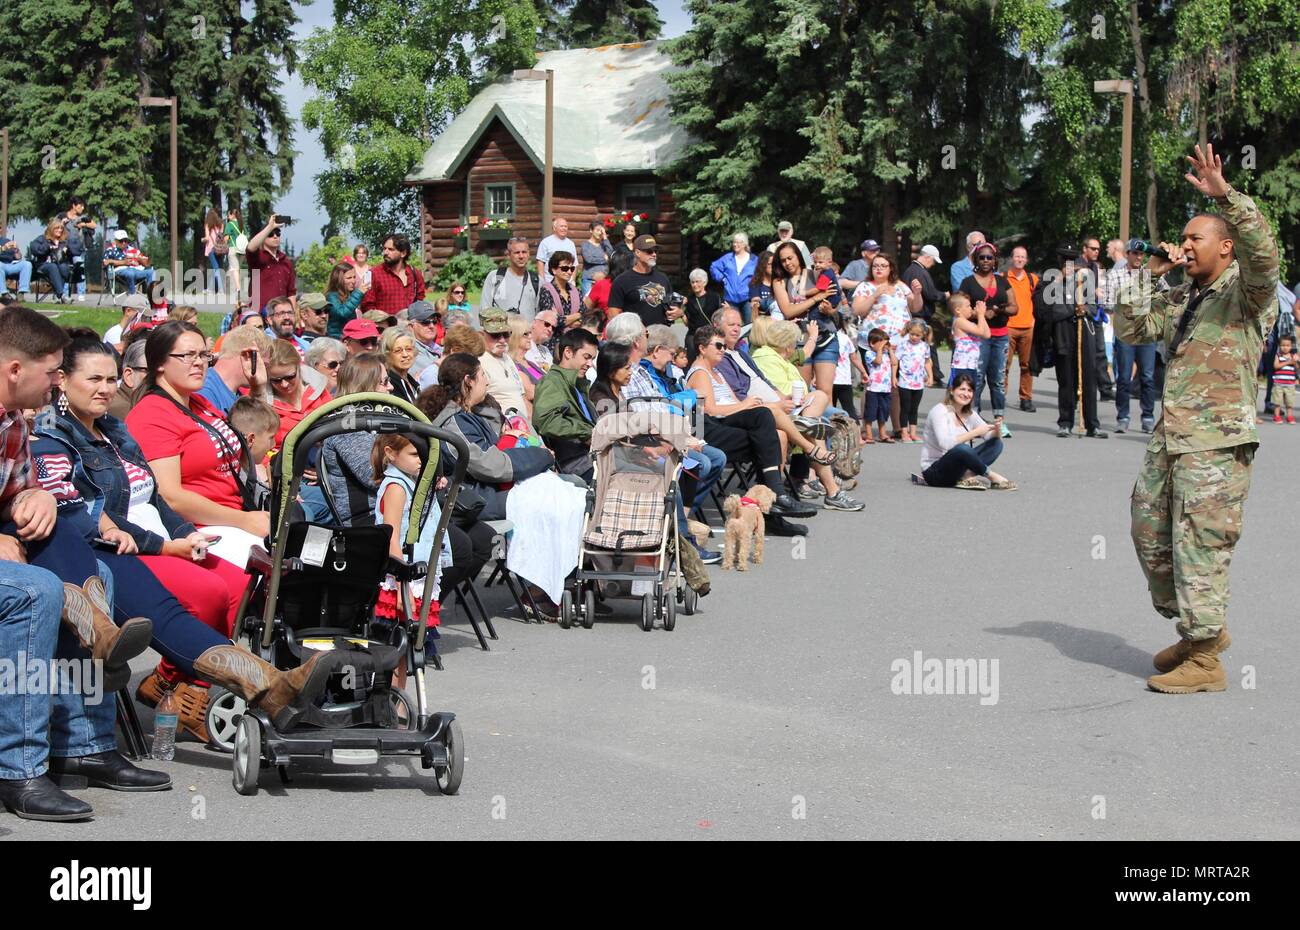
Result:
{"points": [[189, 358], [333, 365], [497, 335], [370, 343], [720, 346], [283, 379], [563, 267]]}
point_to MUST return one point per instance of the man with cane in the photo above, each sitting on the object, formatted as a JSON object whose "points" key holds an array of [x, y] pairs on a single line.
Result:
{"points": [[1188, 500], [1061, 302]]}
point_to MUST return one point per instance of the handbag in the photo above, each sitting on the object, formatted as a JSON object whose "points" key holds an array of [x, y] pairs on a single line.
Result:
{"points": [[469, 504], [241, 244]]}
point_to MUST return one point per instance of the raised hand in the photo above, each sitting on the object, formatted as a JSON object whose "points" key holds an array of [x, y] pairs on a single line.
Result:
{"points": [[1208, 173]]}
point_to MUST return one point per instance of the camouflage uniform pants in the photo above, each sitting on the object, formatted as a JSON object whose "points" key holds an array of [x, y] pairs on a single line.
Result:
{"points": [[1187, 512]]}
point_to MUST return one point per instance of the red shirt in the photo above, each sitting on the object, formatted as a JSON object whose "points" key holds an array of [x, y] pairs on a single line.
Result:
{"points": [[289, 417], [274, 277], [389, 294], [16, 474], [599, 294], [208, 467]]}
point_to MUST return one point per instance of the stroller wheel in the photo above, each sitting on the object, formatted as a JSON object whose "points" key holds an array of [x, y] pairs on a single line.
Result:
{"points": [[225, 708], [248, 756], [690, 601], [669, 611], [647, 612], [448, 778], [588, 609], [403, 711], [566, 609]]}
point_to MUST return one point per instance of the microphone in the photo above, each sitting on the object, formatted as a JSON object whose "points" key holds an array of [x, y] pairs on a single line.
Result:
{"points": [[1146, 248]]}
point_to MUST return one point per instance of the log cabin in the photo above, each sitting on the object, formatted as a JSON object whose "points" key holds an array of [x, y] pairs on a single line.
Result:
{"points": [[613, 138]]}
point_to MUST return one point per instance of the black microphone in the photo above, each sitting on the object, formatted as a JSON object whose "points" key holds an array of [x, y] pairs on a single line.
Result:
{"points": [[1146, 248]]}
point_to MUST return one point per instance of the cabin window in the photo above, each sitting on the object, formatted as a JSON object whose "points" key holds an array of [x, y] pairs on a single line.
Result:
{"points": [[640, 198], [499, 201]]}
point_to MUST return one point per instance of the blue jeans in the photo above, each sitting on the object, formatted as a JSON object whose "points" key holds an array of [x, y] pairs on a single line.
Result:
{"points": [[132, 276], [960, 459], [1145, 355], [57, 274], [711, 461], [23, 269], [79, 727], [992, 371], [218, 267], [314, 506]]}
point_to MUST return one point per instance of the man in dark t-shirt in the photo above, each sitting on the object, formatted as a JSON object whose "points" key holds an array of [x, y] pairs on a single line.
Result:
{"points": [[643, 290]]}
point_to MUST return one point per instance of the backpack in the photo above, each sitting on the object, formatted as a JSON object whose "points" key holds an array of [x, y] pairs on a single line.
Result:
{"points": [[842, 439], [500, 276]]}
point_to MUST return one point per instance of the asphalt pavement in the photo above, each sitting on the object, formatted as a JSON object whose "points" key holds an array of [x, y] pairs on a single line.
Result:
{"points": [[782, 709]]}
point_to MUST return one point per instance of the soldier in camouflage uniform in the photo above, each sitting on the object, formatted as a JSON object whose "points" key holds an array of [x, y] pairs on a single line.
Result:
{"points": [[1188, 500]]}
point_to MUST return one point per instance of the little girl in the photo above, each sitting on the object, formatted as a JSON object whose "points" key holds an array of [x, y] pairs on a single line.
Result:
{"points": [[969, 329], [396, 464], [914, 374], [880, 384]]}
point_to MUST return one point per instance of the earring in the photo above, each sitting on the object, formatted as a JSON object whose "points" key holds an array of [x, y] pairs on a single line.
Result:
{"points": [[63, 405]]}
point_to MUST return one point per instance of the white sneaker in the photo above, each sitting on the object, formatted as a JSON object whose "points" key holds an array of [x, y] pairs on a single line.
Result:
{"points": [[81, 298]]}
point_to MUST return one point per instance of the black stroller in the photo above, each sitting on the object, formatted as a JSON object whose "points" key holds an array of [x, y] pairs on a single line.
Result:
{"points": [[317, 591]]}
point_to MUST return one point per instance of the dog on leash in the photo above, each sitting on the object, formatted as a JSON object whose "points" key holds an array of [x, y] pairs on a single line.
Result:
{"points": [[744, 526]]}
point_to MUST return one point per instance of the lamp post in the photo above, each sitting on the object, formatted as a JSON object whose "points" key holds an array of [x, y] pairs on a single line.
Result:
{"points": [[4, 177], [170, 102], [1126, 146], [548, 170]]}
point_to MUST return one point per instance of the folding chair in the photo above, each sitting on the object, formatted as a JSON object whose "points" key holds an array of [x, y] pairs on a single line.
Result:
{"points": [[133, 740]]}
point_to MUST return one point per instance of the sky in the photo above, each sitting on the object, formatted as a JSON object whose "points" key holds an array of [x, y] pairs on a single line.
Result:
{"points": [[301, 202]]}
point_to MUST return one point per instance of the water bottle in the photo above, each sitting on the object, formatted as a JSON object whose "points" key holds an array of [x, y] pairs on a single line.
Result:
{"points": [[164, 727], [796, 392]]}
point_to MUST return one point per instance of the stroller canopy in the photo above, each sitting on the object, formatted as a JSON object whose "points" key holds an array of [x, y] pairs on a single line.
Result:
{"points": [[628, 424]]}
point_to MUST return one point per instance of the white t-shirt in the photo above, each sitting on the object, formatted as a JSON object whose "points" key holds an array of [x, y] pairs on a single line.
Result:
{"points": [[549, 246], [140, 509], [844, 367], [942, 427], [114, 334]]}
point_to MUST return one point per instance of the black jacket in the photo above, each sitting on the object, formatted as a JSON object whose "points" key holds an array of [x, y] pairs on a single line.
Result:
{"points": [[930, 295]]}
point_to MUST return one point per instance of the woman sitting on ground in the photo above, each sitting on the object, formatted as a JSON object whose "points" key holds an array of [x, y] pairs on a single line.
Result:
{"points": [[950, 457], [196, 457]]}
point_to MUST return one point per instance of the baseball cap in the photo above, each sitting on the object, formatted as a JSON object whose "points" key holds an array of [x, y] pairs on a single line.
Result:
{"points": [[421, 311], [136, 302], [494, 320], [785, 226], [932, 252], [379, 316], [869, 245], [314, 300], [120, 234], [360, 329], [248, 312], [645, 243]]}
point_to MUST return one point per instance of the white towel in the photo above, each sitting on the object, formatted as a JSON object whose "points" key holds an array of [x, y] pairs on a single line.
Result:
{"points": [[547, 515]]}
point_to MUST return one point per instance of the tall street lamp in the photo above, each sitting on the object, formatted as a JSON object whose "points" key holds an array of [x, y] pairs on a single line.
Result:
{"points": [[1126, 146], [170, 102], [4, 177], [548, 171]]}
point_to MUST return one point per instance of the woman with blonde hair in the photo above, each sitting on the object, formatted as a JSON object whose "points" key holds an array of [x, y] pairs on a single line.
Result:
{"points": [[53, 261], [521, 340]]}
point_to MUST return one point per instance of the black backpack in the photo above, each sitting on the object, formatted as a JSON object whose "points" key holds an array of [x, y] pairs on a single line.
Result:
{"points": [[501, 276]]}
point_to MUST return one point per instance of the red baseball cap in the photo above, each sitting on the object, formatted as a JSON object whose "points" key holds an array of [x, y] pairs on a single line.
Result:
{"points": [[360, 329]]}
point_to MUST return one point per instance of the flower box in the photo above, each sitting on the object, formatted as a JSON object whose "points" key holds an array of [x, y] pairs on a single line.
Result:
{"points": [[494, 234]]}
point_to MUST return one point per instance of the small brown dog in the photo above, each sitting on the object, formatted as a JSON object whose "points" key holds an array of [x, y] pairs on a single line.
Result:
{"points": [[745, 526]]}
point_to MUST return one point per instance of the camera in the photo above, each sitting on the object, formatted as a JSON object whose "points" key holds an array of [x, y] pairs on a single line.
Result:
{"points": [[678, 300], [283, 220]]}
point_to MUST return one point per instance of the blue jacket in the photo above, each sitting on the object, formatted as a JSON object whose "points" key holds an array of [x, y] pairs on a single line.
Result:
{"points": [[98, 474], [735, 287], [490, 467]]}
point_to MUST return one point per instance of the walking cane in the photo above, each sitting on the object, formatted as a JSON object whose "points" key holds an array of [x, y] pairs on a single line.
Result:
{"points": [[1078, 344]]}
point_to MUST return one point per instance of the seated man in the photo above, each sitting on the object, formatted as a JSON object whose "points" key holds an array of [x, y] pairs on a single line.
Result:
{"points": [[563, 413], [241, 364], [13, 263], [282, 323], [127, 263], [315, 318], [505, 384]]}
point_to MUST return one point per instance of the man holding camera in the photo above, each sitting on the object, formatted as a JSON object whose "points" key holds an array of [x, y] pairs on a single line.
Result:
{"points": [[273, 275], [645, 290], [1188, 500]]}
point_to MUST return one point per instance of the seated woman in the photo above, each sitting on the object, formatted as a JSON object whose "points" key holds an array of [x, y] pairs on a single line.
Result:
{"points": [[456, 404], [740, 428], [291, 398], [345, 458], [325, 355], [613, 369], [113, 473], [777, 341], [195, 456], [398, 346], [950, 457], [521, 342]]}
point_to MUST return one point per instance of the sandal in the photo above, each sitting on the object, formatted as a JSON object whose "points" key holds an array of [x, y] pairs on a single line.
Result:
{"points": [[887, 439], [821, 455], [971, 484], [1004, 486]]}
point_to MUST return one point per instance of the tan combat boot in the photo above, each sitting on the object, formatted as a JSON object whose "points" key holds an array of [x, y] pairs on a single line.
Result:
{"points": [[1200, 671], [263, 685], [1168, 659], [87, 614]]}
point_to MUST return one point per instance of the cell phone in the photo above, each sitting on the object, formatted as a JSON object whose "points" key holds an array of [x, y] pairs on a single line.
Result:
{"points": [[99, 542], [283, 220], [253, 357], [212, 539]]}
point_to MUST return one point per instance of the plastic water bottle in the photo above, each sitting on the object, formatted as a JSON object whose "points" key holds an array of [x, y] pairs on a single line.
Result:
{"points": [[164, 727], [796, 392]]}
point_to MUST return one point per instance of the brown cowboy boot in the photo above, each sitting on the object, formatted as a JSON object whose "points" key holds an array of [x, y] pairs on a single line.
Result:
{"points": [[1168, 659], [192, 699], [1200, 671], [87, 614], [279, 694]]}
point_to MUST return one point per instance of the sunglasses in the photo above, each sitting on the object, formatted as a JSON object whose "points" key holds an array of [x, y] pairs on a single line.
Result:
{"points": [[370, 343], [457, 293], [283, 379], [332, 365], [546, 324], [720, 346], [563, 267], [497, 335], [648, 251]]}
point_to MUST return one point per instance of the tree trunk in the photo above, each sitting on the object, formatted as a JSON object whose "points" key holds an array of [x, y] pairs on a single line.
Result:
{"points": [[1144, 101]]}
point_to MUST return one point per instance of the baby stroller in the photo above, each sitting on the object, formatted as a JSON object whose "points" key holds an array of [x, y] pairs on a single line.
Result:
{"points": [[317, 590], [629, 533]]}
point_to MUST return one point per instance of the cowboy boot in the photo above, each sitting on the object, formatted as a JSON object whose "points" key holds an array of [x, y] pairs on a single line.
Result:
{"points": [[1200, 671], [282, 695], [87, 614], [1168, 659], [192, 700]]}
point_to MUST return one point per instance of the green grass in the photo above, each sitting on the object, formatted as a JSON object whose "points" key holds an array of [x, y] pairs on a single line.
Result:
{"points": [[101, 318]]}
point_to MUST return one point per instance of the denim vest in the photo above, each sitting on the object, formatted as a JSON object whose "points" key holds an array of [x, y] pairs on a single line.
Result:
{"points": [[99, 475]]}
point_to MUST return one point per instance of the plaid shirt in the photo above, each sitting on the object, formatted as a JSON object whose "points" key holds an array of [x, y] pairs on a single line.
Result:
{"points": [[389, 294], [640, 384], [16, 473]]}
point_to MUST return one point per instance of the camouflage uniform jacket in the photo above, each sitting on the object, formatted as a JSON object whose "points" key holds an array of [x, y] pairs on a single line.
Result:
{"points": [[1209, 397]]}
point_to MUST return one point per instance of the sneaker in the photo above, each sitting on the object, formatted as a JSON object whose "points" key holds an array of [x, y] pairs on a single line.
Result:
{"points": [[841, 501], [919, 480], [81, 298], [1277, 417], [709, 556], [1028, 406], [1098, 434], [1006, 433], [1290, 418], [1148, 424], [1063, 433], [1121, 426], [787, 506]]}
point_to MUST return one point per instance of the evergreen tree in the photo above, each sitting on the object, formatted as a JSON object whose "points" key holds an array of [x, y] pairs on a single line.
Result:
{"points": [[592, 23]]}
